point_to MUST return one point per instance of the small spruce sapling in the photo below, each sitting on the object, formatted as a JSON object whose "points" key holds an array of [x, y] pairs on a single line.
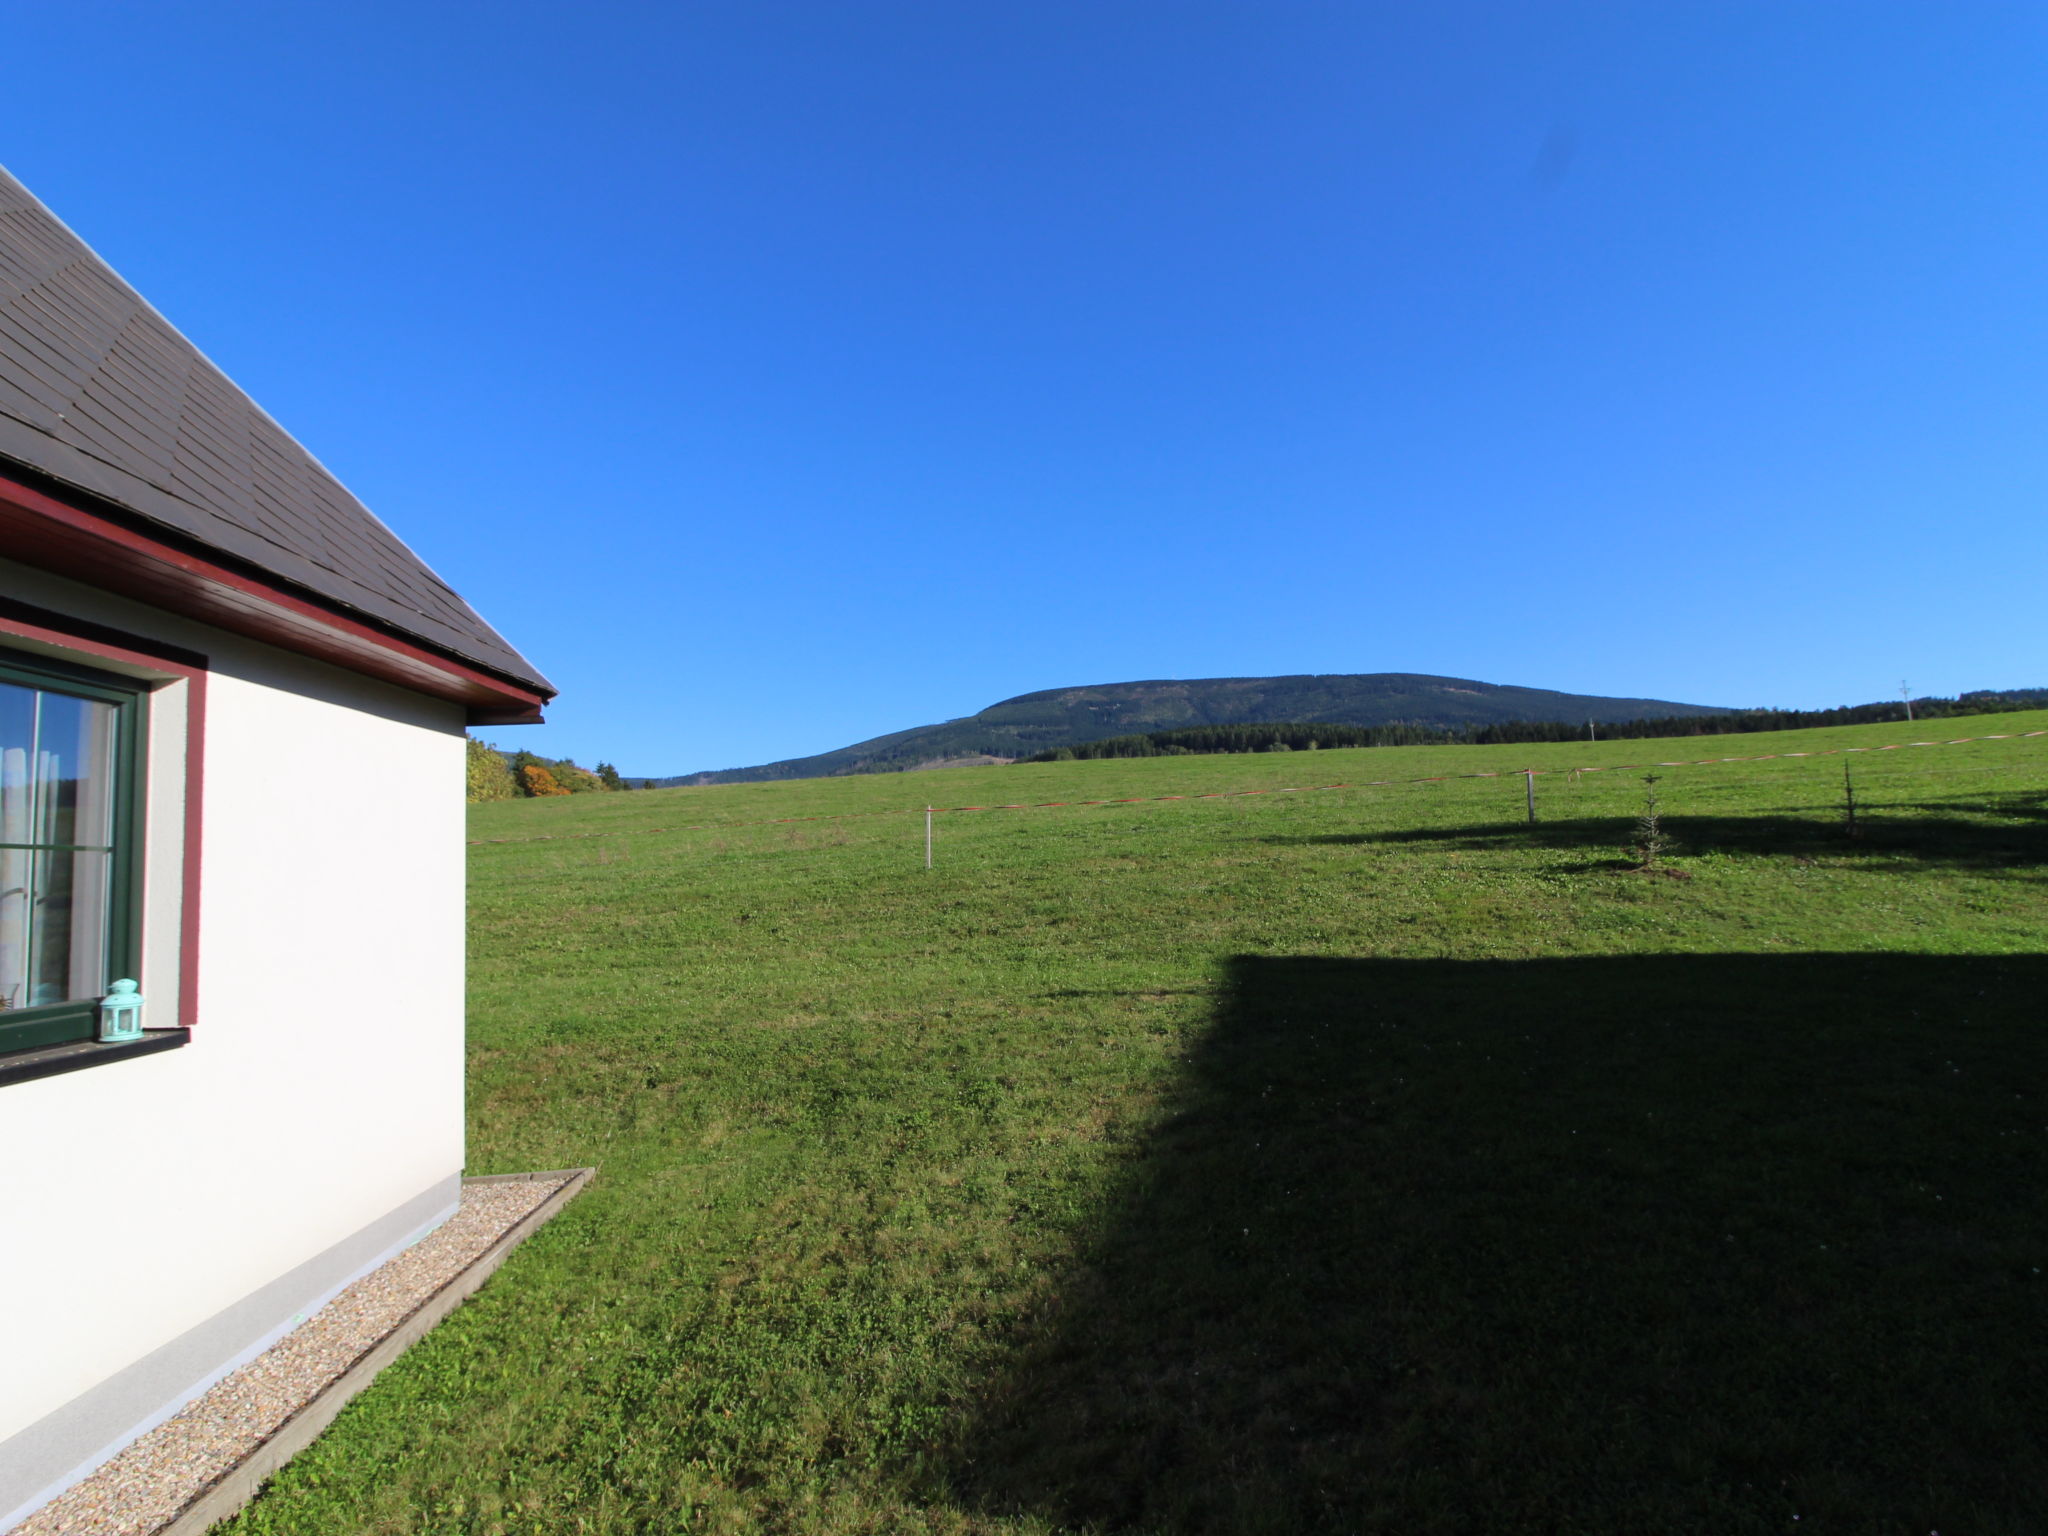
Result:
{"points": [[1652, 842]]}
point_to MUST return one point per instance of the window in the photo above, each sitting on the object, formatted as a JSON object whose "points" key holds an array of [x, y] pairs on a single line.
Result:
{"points": [[70, 845]]}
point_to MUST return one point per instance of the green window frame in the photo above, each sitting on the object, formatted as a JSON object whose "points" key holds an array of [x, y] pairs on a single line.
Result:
{"points": [[41, 855]]}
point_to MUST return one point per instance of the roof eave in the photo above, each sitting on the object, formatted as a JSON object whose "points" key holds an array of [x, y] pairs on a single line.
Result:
{"points": [[117, 555]]}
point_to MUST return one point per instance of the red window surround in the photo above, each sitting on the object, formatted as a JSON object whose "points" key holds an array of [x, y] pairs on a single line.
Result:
{"points": [[90, 642]]}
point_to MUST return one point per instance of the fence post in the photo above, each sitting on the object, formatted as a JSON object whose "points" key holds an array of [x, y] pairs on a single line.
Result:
{"points": [[1529, 779], [927, 837]]}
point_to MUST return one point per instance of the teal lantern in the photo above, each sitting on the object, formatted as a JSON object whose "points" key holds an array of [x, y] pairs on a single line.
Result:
{"points": [[121, 1013]]}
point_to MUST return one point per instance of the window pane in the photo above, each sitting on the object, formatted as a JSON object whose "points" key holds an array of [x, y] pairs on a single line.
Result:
{"points": [[56, 789], [15, 874], [69, 960], [17, 745], [53, 927], [74, 762]]}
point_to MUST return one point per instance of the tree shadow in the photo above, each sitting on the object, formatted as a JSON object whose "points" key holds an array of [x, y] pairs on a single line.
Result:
{"points": [[1647, 1243], [2024, 804], [1934, 836]]}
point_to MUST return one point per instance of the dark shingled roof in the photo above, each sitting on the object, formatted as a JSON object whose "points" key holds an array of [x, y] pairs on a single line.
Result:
{"points": [[99, 392]]}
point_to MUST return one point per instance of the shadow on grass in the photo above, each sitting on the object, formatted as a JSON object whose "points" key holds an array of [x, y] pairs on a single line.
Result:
{"points": [[1935, 836], [1661, 1243], [2029, 804]]}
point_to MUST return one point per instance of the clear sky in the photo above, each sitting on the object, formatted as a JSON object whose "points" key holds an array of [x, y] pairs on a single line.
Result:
{"points": [[776, 375]]}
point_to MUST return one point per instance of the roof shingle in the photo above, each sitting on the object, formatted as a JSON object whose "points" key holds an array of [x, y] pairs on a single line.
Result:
{"points": [[98, 391]]}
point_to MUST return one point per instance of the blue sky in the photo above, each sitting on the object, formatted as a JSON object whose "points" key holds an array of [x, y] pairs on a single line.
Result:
{"points": [[777, 375]]}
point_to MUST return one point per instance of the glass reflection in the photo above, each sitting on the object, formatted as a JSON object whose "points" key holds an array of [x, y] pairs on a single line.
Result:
{"points": [[56, 834]]}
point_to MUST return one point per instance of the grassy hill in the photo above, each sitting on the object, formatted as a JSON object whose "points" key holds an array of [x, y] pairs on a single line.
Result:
{"points": [[1060, 717], [1347, 1159]]}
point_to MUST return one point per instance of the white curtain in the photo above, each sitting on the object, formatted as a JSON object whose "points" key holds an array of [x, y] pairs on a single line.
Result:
{"points": [[17, 867], [93, 822], [57, 757]]}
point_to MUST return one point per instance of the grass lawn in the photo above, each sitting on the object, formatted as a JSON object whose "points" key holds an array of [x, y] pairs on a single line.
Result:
{"points": [[1354, 1160]]}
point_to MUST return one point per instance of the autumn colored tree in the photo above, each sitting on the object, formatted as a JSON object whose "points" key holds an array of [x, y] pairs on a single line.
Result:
{"points": [[540, 782]]}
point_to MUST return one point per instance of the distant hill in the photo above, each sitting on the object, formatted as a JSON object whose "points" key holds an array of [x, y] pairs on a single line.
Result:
{"points": [[1064, 717]]}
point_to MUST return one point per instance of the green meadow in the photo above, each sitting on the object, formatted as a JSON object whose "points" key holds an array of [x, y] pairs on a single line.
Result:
{"points": [[1356, 1159]]}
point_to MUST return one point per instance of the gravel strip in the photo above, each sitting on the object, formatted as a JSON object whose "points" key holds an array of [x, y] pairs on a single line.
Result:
{"points": [[142, 1489]]}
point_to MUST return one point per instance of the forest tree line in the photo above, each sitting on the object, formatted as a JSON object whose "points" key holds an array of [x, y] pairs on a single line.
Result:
{"points": [[500, 775], [1312, 735], [495, 774]]}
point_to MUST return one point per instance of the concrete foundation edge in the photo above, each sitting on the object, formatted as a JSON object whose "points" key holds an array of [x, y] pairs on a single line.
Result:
{"points": [[67, 1445], [228, 1493]]}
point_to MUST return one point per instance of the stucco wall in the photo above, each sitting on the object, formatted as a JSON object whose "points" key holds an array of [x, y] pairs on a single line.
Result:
{"points": [[323, 1088]]}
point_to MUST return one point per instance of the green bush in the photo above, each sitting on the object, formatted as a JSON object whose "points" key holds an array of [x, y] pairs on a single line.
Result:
{"points": [[577, 781], [490, 776]]}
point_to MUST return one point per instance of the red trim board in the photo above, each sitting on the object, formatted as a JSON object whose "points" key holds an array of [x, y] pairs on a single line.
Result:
{"points": [[40, 530]]}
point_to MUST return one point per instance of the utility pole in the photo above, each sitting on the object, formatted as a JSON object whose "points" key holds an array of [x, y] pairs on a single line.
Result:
{"points": [[1906, 693], [1591, 734]]}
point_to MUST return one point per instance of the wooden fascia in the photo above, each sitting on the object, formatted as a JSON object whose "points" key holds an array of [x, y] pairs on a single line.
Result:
{"points": [[40, 530]]}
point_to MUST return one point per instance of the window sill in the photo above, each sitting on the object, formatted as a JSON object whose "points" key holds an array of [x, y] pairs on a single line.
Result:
{"points": [[72, 1055]]}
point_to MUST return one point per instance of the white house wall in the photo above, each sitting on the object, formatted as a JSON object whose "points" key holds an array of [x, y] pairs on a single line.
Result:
{"points": [[315, 1121]]}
